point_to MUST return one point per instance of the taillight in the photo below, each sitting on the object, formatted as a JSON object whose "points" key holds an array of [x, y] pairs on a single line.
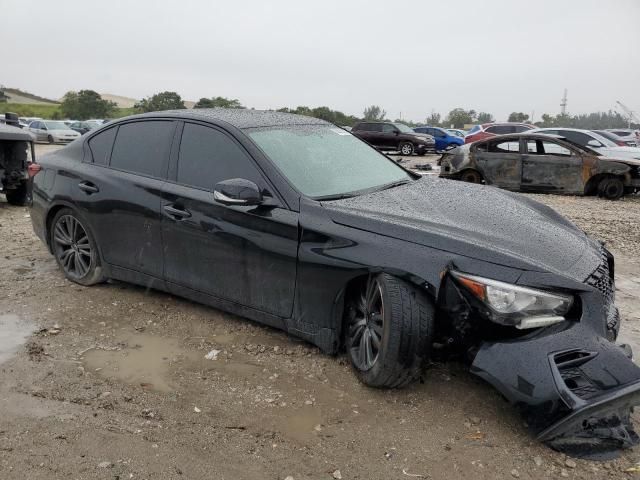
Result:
{"points": [[33, 169]]}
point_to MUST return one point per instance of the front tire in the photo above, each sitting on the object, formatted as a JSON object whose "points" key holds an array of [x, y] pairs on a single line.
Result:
{"points": [[19, 196], [471, 176], [389, 331], [406, 148], [75, 249], [50, 140], [611, 188]]}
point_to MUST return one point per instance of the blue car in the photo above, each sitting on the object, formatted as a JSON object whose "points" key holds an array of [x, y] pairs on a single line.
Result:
{"points": [[444, 140]]}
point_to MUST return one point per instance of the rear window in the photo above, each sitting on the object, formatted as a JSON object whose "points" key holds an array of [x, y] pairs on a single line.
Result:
{"points": [[143, 147], [100, 146]]}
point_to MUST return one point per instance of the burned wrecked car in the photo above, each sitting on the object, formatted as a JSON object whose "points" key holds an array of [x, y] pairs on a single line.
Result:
{"points": [[295, 223], [531, 162], [16, 153]]}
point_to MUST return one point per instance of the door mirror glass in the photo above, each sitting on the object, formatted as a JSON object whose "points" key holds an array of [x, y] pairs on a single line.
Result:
{"points": [[237, 191], [594, 143]]}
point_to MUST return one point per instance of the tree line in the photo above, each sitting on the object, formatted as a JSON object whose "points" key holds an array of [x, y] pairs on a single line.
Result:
{"points": [[88, 104]]}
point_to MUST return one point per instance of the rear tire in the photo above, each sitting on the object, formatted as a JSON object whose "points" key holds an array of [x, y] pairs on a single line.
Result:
{"points": [[406, 148], [611, 188], [75, 249], [389, 330], [19, 196], [471, 176]]}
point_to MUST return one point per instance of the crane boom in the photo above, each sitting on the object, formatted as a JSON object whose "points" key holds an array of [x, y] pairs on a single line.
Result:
{"points": [[631, 115]]}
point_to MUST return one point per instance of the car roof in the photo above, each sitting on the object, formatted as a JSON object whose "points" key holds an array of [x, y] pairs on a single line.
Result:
{"points": [[238, 117], [8, 132]]}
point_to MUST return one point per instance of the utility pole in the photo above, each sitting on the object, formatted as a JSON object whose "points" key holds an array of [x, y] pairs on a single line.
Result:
{"points": [[563, 104]]}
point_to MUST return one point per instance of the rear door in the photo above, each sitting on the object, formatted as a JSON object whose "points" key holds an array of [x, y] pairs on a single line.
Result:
{"points": [[500, 162], [242, 254], [550, 166], [119, 191]]}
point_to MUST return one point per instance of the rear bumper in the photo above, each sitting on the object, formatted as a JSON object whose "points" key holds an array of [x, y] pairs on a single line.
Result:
{"points": [[428, 148]]}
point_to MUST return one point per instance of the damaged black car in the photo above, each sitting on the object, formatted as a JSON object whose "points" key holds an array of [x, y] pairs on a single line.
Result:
{"points": [[295, 223]]}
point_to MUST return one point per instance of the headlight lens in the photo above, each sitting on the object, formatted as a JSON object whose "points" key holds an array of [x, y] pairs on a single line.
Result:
{"points": [[512, 303]]}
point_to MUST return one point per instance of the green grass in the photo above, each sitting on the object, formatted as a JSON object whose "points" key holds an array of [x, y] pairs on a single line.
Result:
{"points": [[49, 111]]}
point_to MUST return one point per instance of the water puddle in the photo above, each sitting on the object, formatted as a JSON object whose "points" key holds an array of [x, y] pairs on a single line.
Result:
{"points": [[14, 332], [301, 425], [147, 361]]}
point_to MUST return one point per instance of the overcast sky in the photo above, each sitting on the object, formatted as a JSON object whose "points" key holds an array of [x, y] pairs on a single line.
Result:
{"points": [[408, 57]]}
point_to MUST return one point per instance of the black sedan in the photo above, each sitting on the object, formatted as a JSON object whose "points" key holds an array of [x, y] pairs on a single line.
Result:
{"points": [[296, 223]]}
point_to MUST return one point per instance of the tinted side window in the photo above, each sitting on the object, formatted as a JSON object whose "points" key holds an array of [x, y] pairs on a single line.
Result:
{"points": [[34, 125], [208, 156], [375, 127], [143, 147], [101, 145], [577, 137], [359, 127], [520, 128], [386, 128], [501, 129]]}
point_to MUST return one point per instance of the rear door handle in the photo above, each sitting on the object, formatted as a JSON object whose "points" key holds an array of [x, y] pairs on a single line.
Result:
{"points": [[88, 187], [176, 212]]}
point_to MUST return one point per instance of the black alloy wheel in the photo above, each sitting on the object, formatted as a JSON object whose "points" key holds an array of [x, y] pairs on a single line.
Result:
{"points": [[366, 326]]}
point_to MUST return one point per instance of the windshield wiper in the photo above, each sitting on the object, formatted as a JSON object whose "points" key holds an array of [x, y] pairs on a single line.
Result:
{"points": [[338, 196], [387, 186]]}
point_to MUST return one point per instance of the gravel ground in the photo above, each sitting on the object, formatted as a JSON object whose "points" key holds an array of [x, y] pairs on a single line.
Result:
{"points": [[113, 382]]}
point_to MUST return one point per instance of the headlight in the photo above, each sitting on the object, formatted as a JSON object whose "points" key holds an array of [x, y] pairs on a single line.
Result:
{"points": [[514, 305]]}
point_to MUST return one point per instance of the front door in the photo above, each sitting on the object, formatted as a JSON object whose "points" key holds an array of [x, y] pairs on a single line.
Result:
{"points": [[500, 162], [242, 254], [550, 166]]}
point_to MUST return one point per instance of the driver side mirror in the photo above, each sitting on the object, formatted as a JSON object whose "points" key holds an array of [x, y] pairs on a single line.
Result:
{"points": [[237, 191], [594, 143]]}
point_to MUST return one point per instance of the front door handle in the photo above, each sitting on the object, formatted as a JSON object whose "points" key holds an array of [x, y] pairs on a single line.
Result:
{"points": [[88, 187], [176, 212]]}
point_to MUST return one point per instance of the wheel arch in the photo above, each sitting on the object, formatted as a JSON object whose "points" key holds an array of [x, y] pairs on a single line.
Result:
{"points": [[351, 286], [50, 215], [591, 187]]}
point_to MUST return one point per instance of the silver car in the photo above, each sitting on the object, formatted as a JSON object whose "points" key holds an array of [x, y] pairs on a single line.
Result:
{"points": [[593, 140], [52, 131], [629, 136]]}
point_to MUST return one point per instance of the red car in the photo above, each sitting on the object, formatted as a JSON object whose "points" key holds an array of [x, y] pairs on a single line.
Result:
{"points": [[486, 130]]}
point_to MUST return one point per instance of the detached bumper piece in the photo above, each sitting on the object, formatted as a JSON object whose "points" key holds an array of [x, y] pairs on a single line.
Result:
{"points": [[576, 389]]}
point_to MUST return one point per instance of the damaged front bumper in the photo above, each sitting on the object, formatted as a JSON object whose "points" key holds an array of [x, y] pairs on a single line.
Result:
{"points": [[575, 388]]}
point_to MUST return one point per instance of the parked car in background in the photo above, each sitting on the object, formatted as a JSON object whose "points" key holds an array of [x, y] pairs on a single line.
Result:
{"points": [[486, 130], [82, 127], [395, 137], [536, 162], [592, 140], [444, 139], [632, 137], [52, 131], [456, 132], [619, 141]]}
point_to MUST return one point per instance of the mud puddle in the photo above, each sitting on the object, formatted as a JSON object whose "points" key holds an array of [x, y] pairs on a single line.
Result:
{"points": [[147, 360], [14, 332]]}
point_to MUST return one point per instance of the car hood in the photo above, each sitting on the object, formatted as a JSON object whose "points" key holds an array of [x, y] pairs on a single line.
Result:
{"points": [[622, 153], [475, 221]]}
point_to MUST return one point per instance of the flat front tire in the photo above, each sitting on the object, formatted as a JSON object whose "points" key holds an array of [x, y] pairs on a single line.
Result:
{"points": [[389, 330], [75, 249], [611, 188], [471, 176]]}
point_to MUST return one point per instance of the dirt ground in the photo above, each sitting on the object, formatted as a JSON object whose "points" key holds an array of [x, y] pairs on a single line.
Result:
{"points": [[112, 382]]}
